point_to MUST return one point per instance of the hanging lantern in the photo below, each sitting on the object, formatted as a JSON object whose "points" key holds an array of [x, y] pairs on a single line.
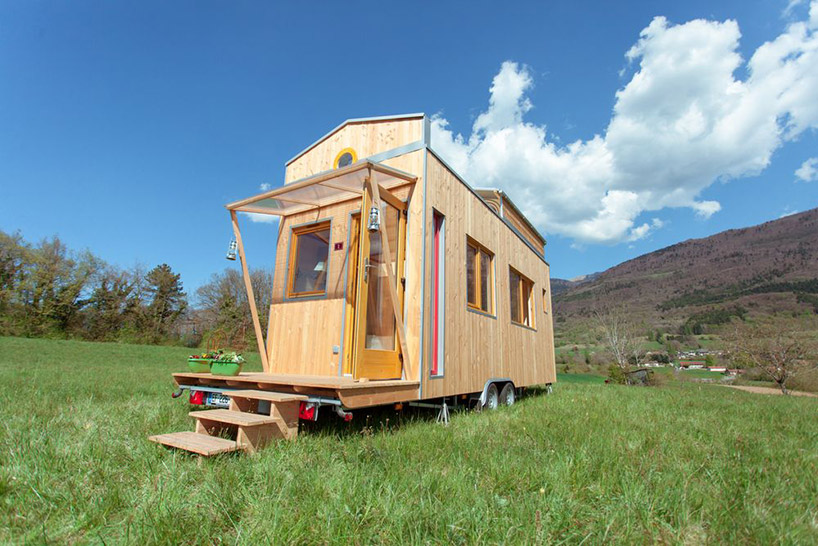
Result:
{"points": [[374, 223], [231, 249]]}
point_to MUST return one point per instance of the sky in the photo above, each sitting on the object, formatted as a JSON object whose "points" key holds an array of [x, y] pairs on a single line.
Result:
{"points": [[618, 128]]}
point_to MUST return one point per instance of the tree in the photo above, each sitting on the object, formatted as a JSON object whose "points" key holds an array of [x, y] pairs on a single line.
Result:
{"points": [[108, 305], [779, 348], [619, 335], [225, 311], [53, 285], [168, 300]]}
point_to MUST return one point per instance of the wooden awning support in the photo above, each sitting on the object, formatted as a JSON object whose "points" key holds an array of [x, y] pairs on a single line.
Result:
{"points": [[248, 285], [374, 192]]}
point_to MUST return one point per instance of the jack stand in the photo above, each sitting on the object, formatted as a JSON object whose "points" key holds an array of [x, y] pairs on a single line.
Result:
{"points": [[443, 414]]}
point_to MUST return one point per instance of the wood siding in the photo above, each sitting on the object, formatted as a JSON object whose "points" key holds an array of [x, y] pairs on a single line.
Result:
{"points": [[366, 138], [303, 331], [479, 347]]}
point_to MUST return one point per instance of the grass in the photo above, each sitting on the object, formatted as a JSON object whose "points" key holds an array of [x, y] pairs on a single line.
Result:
{"points": [[686, 463]]}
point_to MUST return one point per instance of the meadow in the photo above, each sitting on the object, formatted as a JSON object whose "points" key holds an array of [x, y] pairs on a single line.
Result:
{"points": [[682, 463]]}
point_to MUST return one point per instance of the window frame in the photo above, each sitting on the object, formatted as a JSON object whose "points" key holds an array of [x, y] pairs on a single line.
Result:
{"points": [[545, 301], [480, 250], [292, 255], [437, 368], [532, 307]]}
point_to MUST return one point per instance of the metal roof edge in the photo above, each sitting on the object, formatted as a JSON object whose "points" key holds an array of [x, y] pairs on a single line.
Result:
{"points": [[351, 121]]}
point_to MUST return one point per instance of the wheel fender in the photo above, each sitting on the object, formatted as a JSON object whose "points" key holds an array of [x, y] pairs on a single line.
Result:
{"points": [[499, 381]]}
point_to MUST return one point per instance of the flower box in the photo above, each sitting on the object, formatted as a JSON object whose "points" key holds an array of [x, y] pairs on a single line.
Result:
{"points": [[198, 365], [225, 368]]}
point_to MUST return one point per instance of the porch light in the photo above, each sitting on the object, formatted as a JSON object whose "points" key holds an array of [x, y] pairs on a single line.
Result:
{"points": [[374, 223], [231, 250]]}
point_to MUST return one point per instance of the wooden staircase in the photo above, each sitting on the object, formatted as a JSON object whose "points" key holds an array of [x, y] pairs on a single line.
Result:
{"points": [[253, 419]]}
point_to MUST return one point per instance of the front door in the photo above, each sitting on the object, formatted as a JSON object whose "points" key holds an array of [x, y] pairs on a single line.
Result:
{"points": [[377, 351]]}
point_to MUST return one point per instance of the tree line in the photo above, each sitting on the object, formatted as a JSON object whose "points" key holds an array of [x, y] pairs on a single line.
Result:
{"points": [[48, 290]]}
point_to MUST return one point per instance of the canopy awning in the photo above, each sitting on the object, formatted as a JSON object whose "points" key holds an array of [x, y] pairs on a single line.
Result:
{"points": [[322, 189]]}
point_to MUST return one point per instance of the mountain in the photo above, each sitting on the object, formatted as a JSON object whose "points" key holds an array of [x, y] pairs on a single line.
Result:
{"points": [[695, 284], [558, 286]]}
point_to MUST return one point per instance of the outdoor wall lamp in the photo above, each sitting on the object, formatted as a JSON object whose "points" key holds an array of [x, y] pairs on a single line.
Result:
{"points": [[374, 223], [231, 250]]}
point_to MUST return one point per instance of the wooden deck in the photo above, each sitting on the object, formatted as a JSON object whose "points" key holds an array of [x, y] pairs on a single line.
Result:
{"points": [[352, 393]]}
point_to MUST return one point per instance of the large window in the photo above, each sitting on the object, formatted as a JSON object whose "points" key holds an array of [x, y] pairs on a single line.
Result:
{"points": [[479, 277], [520, 294], [309, 257]]}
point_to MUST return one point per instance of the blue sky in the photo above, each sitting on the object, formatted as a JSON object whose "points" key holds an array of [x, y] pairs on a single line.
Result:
{"points": [[125, 128]]}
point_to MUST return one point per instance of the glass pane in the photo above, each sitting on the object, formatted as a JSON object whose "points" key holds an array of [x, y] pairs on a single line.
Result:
{"points": [[311, 253], [514, 295], [471, 288], [485, 278], [526, 288], [380, 321]]}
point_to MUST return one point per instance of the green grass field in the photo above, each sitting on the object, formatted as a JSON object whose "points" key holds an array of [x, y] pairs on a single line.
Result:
{"points": [[684, 463]]}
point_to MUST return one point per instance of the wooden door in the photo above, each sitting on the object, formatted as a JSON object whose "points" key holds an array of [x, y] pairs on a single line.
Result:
{"points": [[377, 353]]}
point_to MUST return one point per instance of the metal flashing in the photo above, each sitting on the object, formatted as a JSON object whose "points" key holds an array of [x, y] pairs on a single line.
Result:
{"points": [[396, 152]]}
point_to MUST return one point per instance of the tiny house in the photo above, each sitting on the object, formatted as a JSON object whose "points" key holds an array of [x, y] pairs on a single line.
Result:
{"points": [[395, 282]]}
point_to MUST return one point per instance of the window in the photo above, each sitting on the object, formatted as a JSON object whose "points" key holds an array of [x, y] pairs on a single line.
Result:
{"points": [[345, 157], [309, 256], [438, 291], [544, 301], [520, 294], [479, 277]]}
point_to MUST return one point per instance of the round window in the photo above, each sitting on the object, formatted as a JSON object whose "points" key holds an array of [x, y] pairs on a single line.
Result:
{"points": [[345, 158]]}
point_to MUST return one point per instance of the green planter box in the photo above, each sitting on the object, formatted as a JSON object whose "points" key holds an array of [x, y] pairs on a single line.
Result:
{"points": [[198, 365], [225, 368]]}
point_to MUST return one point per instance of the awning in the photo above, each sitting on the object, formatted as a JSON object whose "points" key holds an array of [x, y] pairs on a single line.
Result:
{"points": [[322, 189]]}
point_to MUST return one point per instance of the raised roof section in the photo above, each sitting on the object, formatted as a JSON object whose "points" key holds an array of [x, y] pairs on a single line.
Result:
{"points": [[364, 137]]}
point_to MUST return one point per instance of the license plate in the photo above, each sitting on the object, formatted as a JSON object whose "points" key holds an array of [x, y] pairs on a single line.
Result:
{"points": [[217, 399]]}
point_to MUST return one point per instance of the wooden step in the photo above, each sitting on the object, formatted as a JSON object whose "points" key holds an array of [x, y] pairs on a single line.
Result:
{"points": [[237, 418], [196, 443], [269, 396]]}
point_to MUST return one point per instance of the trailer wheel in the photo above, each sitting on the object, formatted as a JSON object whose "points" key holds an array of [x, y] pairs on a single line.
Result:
{"points": [[492, 398], [507, 395]]}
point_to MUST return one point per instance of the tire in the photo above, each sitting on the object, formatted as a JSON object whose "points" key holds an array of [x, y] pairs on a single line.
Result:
{"points": [[492, 398], [507, 395]]}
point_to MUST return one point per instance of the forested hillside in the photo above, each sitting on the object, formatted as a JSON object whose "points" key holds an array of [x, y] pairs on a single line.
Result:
{"points": [[697, 284]]}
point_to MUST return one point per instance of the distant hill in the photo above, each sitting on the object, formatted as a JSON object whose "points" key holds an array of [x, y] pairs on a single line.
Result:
{"points": [[700, 282], [558, 286]]}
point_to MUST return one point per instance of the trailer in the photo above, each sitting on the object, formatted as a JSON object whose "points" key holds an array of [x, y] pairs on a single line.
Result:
{"points": [[394, 282]]}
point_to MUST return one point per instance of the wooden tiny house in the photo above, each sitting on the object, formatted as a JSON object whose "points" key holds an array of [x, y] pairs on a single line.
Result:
{"points": [[394, 281]]}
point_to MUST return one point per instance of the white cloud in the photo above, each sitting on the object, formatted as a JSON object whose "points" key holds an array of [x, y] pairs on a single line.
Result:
{"points": [[263, 218], [682, 122], [808, 171], [791, 5]]}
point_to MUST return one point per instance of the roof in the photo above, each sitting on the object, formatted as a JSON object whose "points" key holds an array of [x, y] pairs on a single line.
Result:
{"points": [[353, 121], [321, 189], [503, 195]]}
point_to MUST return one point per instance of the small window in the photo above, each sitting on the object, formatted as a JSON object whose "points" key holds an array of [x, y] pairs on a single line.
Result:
{"points": [[438, 293], [479, 277], [309, 256], [544, 301], [345, 158], [520, 293]]}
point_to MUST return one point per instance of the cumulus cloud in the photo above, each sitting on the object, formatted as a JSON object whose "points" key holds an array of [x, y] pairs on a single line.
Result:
{"points": [[682, 122], [808, 171]]}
